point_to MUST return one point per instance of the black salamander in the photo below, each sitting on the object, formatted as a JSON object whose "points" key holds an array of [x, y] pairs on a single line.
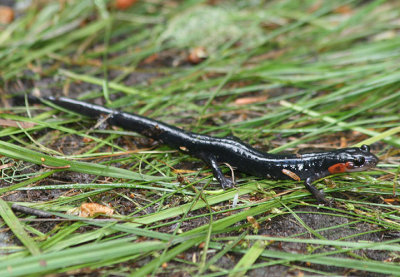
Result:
{"points": [[213, 151]]}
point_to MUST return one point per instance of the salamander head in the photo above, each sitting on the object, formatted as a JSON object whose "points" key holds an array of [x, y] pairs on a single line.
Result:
{"points": [[354, 159]]}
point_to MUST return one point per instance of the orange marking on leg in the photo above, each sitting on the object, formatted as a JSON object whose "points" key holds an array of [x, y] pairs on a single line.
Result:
{"points": [[337, 168], [291, 174]]}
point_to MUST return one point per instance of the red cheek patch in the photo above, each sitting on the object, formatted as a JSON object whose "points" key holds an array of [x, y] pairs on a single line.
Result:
{"points": [[337, 168]]}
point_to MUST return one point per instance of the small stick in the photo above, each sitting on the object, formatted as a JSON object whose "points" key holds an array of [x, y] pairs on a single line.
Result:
{"points": [[31, 211]]}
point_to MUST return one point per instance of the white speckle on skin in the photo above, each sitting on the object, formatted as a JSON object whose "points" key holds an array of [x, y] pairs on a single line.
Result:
{"points": [[300, 166]]}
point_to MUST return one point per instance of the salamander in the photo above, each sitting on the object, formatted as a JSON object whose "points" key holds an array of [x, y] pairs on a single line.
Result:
{"points": [[213, 151]]}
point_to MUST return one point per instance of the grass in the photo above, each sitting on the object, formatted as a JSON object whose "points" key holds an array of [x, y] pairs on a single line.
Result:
{"points": [[316, 75]]}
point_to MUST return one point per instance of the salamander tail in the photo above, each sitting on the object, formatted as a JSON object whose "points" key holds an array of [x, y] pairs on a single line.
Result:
{"points": [[20, 99], [79, 107]]}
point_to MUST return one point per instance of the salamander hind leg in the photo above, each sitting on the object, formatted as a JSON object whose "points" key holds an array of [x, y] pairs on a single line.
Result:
{"points": [[217, 172]]}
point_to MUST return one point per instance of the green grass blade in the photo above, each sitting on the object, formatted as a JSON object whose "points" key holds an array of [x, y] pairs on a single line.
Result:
{"points": [[79, 255], [249, 258], [21, 153], [18, 230]]}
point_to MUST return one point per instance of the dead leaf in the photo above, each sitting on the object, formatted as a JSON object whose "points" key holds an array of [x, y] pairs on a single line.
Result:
{"points": [[183, 171], [291, 174], [4, 166], [315, 7], [197, 55], [150, 59], [343, 142], [14, 123], [253, 222], [91, 209], [345, 9], [273, 54], [124, 4], [250, 100], [6, 15]]}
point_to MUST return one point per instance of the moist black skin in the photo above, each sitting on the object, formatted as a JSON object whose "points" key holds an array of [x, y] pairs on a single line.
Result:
{"points": [[231, 150]]}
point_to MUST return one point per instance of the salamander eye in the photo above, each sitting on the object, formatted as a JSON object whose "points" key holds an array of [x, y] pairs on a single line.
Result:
{"points": [[358, 161], [365, 148]]}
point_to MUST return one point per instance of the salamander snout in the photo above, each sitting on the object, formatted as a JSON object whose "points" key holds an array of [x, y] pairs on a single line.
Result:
{"points": [[360, 159]]}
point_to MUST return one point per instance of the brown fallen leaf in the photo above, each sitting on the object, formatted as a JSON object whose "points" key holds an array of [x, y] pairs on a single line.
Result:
{"points": [[91, 209], [14, 123], [343, 142], [150, 59], [273, 54], [56, 167], [6, 15], [4, 166], [291, 174], [183, 171], [197, 55], [124, 4], [315, 7], [250, 100], [253, 222], [345, 9]]}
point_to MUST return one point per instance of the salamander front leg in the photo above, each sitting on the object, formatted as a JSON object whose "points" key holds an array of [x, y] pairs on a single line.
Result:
{"points": [[318, 194], [225, 182]]}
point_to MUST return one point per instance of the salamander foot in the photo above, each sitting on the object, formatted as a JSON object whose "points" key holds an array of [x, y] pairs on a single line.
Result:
{"points": [[225, 182], [319, 195]]}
